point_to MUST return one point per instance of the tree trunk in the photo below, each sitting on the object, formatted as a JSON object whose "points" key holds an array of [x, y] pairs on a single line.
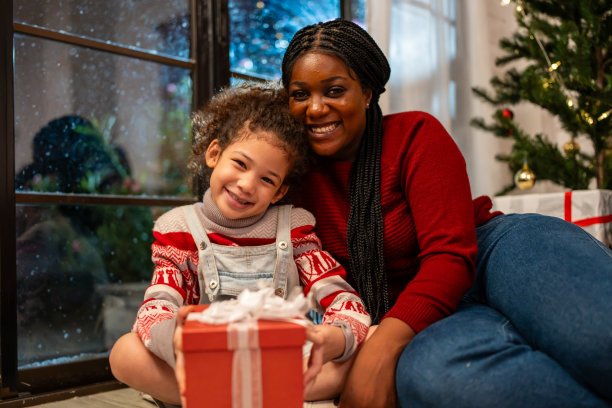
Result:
{"points": [[600, 167]]}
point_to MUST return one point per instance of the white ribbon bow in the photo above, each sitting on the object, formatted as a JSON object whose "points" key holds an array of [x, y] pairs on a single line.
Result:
{"points": [[255, 305]]}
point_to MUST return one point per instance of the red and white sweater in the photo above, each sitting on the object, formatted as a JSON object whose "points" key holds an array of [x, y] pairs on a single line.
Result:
{"points": [[175, 281]]}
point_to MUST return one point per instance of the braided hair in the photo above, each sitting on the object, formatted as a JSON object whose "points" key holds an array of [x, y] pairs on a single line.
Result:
{"points": [[363, 58]]}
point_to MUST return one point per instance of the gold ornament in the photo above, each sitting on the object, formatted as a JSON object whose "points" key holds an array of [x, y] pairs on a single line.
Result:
{"points": [[524, 178], [571, 148]]}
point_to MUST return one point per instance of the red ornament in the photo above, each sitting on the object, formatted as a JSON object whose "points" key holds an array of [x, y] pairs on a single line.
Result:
{"points": [[507, 113]]}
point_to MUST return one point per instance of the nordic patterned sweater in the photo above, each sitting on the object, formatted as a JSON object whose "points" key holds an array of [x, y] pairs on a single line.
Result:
{"points": [[175, 281]]}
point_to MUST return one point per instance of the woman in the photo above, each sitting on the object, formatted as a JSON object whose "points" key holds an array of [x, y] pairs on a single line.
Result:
{"points": [[393, 204]]}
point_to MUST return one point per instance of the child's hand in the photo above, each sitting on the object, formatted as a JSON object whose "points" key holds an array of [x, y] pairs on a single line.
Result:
{"points": [[315, 361], [179, 370], [327, 343]]}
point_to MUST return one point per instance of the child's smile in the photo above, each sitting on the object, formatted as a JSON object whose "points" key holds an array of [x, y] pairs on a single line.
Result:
{"points": [[237, 199]]}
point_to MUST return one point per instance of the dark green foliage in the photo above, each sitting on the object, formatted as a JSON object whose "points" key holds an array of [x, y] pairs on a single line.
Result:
{"points": [[578, 35]]}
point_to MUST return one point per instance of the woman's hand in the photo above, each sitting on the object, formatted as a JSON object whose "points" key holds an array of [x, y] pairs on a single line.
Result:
{"points": [[327, 343], [371, 381], [179, 369]]}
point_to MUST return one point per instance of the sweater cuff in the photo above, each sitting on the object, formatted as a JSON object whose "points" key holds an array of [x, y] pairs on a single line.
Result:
{"points": [[416, 312], [162, 341], [349, 340]]}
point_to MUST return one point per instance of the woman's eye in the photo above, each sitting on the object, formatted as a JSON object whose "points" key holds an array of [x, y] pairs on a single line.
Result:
{"points": [[299, 95], [335, 91]]}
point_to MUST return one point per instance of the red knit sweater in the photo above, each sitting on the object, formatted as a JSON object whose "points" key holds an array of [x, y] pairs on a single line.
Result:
{"points": [[428, 213]]}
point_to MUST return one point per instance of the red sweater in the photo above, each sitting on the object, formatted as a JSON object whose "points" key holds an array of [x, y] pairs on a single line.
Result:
{"points": [[428, 213]]}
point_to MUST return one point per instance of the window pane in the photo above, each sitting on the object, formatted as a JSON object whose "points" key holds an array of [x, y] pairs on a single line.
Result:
{"points": [[81, 276], [358, 11], [91, 122], [161, 26], [260, 31]]}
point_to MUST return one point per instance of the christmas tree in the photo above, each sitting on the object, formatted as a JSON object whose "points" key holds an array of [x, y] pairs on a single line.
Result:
{"points": [[564, 48]]}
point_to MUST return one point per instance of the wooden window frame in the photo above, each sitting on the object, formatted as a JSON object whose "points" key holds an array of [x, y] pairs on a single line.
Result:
{"points": [[210, 72]]}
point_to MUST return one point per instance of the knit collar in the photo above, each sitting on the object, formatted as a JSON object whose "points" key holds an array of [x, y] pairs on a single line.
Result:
{"points": [[212, 212]]}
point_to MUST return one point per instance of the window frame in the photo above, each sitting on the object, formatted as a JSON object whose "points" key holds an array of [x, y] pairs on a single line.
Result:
{"points": [[209, 66], [210, 72]]}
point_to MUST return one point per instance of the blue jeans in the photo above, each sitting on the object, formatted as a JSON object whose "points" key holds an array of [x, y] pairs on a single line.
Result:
{"points": [[535, 330]]}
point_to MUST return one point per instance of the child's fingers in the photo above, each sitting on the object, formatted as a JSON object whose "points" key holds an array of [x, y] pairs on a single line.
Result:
{"points": [[315, 362], [315, 335], [182, 314], [179, 370]]}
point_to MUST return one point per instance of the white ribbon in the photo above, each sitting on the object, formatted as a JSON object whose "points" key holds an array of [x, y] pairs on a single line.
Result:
{"points": [[241, 315], [247, 389], [255, 305]]}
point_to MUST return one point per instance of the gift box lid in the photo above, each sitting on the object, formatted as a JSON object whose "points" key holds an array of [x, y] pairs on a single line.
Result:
{"points": [[198, 336]]}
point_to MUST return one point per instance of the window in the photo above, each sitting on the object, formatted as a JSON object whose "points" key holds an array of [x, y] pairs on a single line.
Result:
{"points": [[96, 104], [261, 30], [423, 57], [100, 111]]}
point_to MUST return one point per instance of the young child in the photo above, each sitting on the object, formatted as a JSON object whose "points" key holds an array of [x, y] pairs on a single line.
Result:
{"points": [[248, 149]]}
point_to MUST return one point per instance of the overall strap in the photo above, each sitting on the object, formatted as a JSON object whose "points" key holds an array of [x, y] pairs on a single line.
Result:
{"points": [[208, 277], [284, 250]]}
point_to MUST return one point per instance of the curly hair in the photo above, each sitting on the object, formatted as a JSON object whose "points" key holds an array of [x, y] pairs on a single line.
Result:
{"points": [[262, 108], [350, 43]]}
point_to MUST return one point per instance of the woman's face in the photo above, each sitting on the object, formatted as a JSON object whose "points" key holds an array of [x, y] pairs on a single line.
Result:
{"points": [[330, 103]]}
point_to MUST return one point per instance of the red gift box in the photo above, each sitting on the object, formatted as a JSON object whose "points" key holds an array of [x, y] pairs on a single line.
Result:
{"points": [[230, 366]]}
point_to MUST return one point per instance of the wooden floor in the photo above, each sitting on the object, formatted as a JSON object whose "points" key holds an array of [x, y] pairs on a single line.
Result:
{"points": [[129, 398], [124, 397]]}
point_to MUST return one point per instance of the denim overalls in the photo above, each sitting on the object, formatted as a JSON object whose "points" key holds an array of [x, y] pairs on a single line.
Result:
{"points": [[225, 271]]}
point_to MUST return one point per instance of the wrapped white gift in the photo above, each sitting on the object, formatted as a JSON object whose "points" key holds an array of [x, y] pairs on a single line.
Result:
{"points": [[589, 209]]}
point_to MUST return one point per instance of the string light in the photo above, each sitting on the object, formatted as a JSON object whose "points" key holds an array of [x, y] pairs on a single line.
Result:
{"points": [[552, 67]]}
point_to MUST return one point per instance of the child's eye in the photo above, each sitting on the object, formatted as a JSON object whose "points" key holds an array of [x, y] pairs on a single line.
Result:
{"points": [[240, 163], [268, 180]]}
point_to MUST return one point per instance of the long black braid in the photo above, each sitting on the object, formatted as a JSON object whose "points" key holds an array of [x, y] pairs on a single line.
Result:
{"points": [[363, 57]]}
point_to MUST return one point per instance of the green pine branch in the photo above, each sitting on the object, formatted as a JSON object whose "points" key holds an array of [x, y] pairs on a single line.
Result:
{"points": [[564, 50]]}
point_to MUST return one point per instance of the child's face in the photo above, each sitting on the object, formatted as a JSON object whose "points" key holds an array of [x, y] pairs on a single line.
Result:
{"points": [[248, 175]]}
